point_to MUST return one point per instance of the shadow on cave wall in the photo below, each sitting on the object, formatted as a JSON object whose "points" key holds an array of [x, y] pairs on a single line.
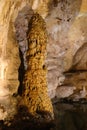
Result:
{"points": [[21, 73], [21, 26]]}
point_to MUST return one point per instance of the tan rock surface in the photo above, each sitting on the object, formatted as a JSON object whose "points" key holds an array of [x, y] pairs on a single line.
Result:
{"points": [[66, 24], [9, 55]]}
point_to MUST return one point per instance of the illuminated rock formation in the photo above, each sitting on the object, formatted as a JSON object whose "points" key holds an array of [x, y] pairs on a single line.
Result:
{"points": [[66, 49], [35, 93]]}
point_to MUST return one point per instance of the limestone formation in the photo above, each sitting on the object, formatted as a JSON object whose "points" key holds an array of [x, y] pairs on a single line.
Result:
{"points": [[35, 96], [66, 48]]}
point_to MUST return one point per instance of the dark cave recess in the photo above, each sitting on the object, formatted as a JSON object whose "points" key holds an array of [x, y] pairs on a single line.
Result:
{"points": [[68, 116]]}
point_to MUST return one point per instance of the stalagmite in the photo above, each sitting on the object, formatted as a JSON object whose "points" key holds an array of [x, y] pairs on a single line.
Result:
{"points": [[35, 95]]}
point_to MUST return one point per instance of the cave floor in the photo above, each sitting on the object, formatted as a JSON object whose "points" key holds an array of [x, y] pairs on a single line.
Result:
{"points": [[68, 116]]}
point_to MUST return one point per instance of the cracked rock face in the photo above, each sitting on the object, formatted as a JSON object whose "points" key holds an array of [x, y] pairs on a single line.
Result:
{"points": [[66, 49]]}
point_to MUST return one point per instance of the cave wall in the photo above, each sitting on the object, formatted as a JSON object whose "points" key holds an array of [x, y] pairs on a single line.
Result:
{"points": [[9, 57], [66, 49], [66, 59]]}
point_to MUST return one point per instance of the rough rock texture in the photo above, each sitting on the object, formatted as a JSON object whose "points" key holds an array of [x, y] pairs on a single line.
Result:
{"points": [[35, 95], [66, 60], [66, 50]]}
